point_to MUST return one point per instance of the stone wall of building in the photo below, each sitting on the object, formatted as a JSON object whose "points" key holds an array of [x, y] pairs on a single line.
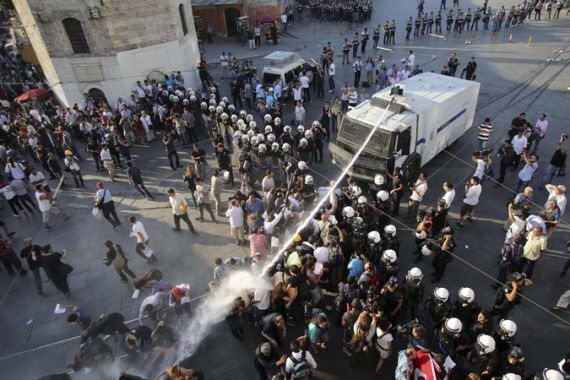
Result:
{"points": [[128, 39]]}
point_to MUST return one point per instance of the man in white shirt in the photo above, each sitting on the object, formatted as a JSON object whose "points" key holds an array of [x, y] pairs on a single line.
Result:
{"points": [[179, 210], [357, 67], [411, 59], [139, 232], [449, 195], [539, 132], [298, 355], [527, 172], [332, 73], [519, 145], [419, 189], [45, 205], [268, 182], [224, 62], [201, 194], [304, 79], [472, 194], [153, 307], [104, 202], [235, 214], [108, 162]]}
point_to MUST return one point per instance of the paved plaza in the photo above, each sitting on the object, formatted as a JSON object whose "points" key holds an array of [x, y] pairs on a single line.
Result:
{"points": [[515, 77]]}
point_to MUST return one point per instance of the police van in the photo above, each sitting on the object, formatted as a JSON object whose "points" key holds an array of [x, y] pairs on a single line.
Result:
{"points": [[285, 65], [429, 112]]}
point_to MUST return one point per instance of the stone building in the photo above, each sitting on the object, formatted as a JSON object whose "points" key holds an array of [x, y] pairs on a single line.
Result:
{"points": [[222, 14], [103, 47]]}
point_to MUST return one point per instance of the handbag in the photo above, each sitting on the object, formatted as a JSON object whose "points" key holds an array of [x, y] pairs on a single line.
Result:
{"points": [[65, 269], [148, 252], [97, 213]]}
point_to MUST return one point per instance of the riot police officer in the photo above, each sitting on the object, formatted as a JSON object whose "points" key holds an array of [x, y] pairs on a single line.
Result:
{"points": [[449, 20], [409, 28], [438, 306], [389, 266], [447, 337], [465, 308], [505, 336], [438, 23], [485, 360], [413, 290], [430, 22], [390, 239]]}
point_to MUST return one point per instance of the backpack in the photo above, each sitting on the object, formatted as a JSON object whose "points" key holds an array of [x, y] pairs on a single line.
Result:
{"points": [[301, 368]]}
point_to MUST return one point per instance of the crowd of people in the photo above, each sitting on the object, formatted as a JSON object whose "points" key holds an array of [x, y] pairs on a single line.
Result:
{"points": [[334, 270]]}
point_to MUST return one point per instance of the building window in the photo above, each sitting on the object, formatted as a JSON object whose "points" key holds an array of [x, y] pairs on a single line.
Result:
{"points": [[183, 19], [76, 36]]}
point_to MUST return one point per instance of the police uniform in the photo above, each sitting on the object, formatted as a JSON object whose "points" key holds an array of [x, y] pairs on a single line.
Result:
{"points": [[393, 32], [355, 44], [418, 24], [409, 28], [449, 20], [386, 33], [438, 23], [476, 18], [430, 23]]}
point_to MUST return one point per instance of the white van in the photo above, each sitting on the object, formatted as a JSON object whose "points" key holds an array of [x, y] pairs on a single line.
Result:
{"points": [[285, 65]]}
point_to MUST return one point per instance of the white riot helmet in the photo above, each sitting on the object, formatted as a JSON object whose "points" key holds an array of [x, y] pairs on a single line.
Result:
{"points": [[212, 109], [348, 212], [212, 102], [231, 108], [301, 129], [379, 179], [254, 140], [286, 147], [261, 137], [287, 129], [268, 129], [390, 230], [237, 135], [213, 96], [271, 137], [441, 294], [315, 124], [415, 274], [193, 98], [204, 106], [224, 116], [275, 147], [223, 103], [356, 191], [175, 99], [245, 139], [552, 374], [302, 165], [485, 344], [309, 134], [267, 118], [234, 118], [453, 326], [225, 99], [303, 142], [426, 251], [362, 200], [219, 109], [179, 93], [374, 237], [389, 256], [383, 195], [164, 93], [252, 125], [242, 113], [185, 102], [250, 133], [511, 376], [309, 180], [507, 328], [466, 295], [249, 118], [262, 148], [277, 121]]}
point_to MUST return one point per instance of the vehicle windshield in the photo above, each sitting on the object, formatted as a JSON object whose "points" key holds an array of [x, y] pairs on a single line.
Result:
{"points": [[354, 133]]}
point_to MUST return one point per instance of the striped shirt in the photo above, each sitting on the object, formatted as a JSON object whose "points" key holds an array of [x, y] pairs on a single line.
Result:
{"points": [[485, 131], [258, 244]]}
